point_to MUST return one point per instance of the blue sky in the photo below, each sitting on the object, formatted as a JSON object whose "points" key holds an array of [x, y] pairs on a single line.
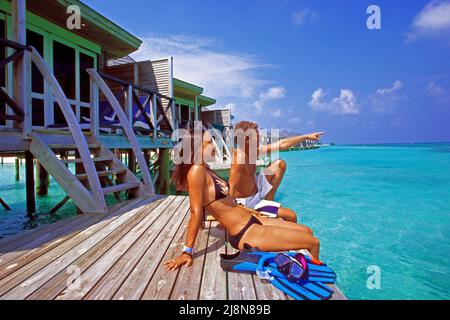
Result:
{"points": [[303, 65]]}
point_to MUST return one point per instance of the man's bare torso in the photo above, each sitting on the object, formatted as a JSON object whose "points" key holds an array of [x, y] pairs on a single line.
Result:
{"points": [[243, 179]]}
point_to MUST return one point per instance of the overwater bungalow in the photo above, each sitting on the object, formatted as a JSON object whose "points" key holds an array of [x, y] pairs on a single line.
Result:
{"points": [[66, 108]]}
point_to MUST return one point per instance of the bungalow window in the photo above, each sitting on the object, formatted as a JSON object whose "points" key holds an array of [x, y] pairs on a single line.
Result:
{"points": [[185, 110], [86, 62], [59, 115], [37, 81], [64, 68], [65, 72], [37, 41]]}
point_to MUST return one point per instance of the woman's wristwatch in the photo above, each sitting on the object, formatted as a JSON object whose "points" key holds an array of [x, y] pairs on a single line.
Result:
{"points": [[189, 251]]}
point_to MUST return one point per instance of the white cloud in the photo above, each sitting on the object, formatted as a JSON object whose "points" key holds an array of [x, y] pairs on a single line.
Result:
{"points": [[295, 120], [432, 21], [439, 92], [435, 89], [316, 100], [346, 103], [273, 93], [301, 17], [276, 113], [310, 123], [202, 62], [385, 99], [398, 85]]}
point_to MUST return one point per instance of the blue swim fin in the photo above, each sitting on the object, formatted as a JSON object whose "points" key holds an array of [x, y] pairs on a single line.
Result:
{"points": [[248, 262], [263, 264]]}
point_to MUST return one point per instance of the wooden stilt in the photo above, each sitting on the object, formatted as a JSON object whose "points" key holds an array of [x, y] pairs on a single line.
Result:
{"points": [[42, 180], [79, 169], [29, 173], [59, 205], [4, 205], [132, 167], [164, 171], [131, 161], [17, 166], [147, 157]]}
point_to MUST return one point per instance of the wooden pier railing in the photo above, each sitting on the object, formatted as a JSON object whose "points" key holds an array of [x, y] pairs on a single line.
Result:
{"points": [[155, 114], [19, 53]]}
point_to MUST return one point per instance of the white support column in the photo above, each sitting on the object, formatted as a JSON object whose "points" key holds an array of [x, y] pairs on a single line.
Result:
{"points": [[197, 118], [174, 115], [22, 66], [155, 116], [129, 104], [95, 109]]}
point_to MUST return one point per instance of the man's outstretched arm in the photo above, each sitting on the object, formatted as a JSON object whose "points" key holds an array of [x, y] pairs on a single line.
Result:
{"points": [[288, 143]]}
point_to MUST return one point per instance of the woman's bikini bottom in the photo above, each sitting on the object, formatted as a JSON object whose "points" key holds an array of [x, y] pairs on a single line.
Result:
{"points": [[235, 240]]}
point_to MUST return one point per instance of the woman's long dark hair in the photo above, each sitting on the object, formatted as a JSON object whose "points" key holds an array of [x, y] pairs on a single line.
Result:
{"points": [[181, 170]]}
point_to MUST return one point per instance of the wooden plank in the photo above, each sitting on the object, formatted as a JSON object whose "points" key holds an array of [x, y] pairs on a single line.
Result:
{"points": [[214, 284], [57, 284], [29, 278], [187, 283], [71, 146], [240, 285], [29, 183], [151, 262], [121, 187], [134, 269], [96, 271], [95, 109], [32, 234], [103, 173], [266, 291], [21, 256], [98, 159], [13, 141], [20, 71], [78, 136], [338, 294]]}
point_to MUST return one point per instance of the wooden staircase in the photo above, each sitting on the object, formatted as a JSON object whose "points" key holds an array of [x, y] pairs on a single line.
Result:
{"points": [[92, 171], [71, 174]]}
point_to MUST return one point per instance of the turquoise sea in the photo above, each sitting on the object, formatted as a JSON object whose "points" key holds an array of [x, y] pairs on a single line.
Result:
{"points": [[378, 205]]}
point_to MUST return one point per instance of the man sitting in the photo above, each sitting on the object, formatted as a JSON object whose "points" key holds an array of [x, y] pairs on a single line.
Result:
{"points": [[250, 189]]}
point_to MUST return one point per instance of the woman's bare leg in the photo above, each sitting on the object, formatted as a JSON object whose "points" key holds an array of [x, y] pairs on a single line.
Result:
{"points": [[285, 224], [272, 238], [287, 214]]}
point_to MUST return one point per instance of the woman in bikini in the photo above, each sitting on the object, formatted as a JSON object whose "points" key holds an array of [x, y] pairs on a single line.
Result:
{"points": [[208, 191]]}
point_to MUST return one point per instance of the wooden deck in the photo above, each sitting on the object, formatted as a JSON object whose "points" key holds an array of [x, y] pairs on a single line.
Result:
{"points": [[120, 255]]}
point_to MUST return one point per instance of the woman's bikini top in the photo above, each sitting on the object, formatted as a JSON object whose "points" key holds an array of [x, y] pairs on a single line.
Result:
{"points": [[221, 187]]}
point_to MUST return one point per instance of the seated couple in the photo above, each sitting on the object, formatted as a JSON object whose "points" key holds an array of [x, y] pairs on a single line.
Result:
{"points": [[208, 191]]}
